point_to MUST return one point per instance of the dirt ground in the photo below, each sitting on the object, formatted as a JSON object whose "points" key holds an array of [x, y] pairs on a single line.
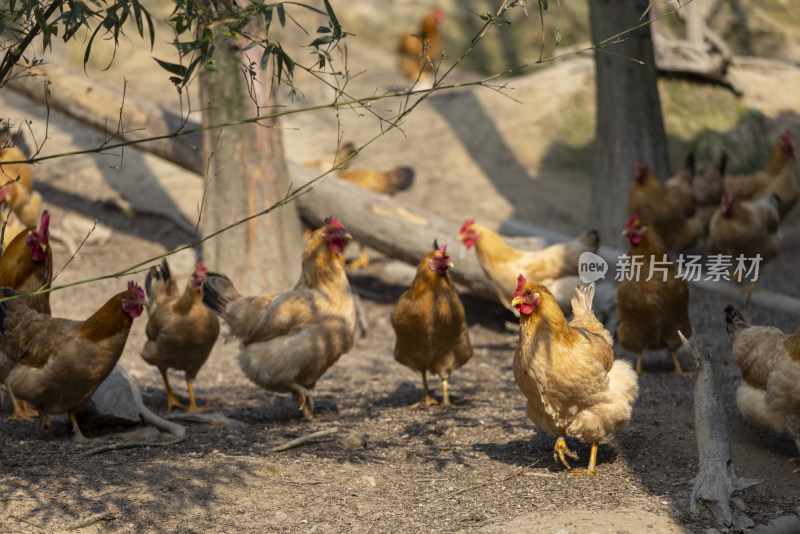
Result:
{"points": [[481, 467]]}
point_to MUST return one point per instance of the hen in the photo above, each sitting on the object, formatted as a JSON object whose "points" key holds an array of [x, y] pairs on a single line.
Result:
{"points": [[16, 183], [669, 209], [430, 324], [747, 229], [567, 370], [290, 339], [779, 176], [769, 360], [27, 266], [180, 331], [707, 191], [417, 53], [652, 300], [61, 361], [555, 266]]}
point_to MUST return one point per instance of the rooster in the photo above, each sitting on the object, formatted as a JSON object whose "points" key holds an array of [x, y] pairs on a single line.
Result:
{"points": [[61, 362], [416, 53], [567, 370], [653, 303], [747, 228], [555, 266], [180, 331], [16, 183], [779, 176], [290, 339], [769, 360], [27, 267], [669, 209], [430, 324]]}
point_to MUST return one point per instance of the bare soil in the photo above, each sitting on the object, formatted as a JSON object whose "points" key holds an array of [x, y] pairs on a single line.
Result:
{"points": [[480, 467]]}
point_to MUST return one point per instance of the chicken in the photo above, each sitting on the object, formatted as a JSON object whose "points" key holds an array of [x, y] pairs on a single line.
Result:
{"points": [[567, 370], [290, 339], [779, 176], [430, 324], [747, 229], [418, 53], [61, 362], [668, 208], [180, 331], [652, 301], [16, 185], [769, 360], [707, 191], [679, 186], [27, 266], [10, 224], [555, 266]]}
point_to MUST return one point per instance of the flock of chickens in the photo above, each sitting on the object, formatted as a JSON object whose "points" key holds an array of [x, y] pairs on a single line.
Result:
{"points": [[566, 369]]}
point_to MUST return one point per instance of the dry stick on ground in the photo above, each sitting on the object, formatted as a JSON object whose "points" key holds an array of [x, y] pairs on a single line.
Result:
{"points": [[91, 520], [302, 439], [716, 480], [133, 445]]}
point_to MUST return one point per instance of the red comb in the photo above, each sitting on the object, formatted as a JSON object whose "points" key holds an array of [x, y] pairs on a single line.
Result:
{"points": [[44, 227], [135, 289], [333, 221], [520, 283], [201, 267], [443, 250], [466, 225]]}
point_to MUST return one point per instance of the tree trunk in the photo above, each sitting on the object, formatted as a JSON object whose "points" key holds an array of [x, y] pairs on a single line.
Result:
{"points": [[246, 173], [629, 122]]}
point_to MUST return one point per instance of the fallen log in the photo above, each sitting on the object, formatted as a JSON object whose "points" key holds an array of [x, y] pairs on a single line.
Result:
{"points": [[716, 480]]}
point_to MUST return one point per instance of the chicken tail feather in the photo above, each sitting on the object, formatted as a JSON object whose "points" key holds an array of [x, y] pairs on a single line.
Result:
{"points": [[582, 298], [218, 291], [157, 277], [401, 178], [734, 320]]}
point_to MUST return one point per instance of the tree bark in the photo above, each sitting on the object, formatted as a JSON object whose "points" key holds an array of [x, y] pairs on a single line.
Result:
{"points": [[629, 121], [246, 173]]}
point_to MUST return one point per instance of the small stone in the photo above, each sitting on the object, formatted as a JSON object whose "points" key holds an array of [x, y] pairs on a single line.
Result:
{"points": [[356, 440], [369, 481]]}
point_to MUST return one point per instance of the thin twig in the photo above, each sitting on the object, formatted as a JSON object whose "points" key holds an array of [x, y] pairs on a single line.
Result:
{"points": [[133, 445], [91, 520], [302, 439]]}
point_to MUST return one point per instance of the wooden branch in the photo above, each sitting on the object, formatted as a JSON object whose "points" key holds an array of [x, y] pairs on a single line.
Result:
{"points": [[98, 106], [91, 520], [716, 480], [302, 439], [131, 445]]}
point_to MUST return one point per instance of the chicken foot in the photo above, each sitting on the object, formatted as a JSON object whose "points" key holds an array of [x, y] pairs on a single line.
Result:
{"points": [[362, 262], [678, 369], [304, 400], [561, 450], [193, 407], [172, 400], [77, 435], [427, 400], [22, 410], [639, 370], [592, 461]]}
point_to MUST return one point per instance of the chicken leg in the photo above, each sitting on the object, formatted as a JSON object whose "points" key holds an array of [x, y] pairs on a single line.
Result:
{"points": [[639, 370], [304, 400], [678, 369], [77, 435], [592, 461], [21, 410], [193, 407], [445, 395], [560, 450], [426, 400], [172, 400], [362, 262]]}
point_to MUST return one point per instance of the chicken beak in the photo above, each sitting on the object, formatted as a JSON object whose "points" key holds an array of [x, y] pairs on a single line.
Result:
{"points": [[516, 301], [451, 265], [348, 236], [625, 232], [461, 237]]}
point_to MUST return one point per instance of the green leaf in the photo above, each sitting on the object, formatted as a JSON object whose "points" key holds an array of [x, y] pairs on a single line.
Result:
{"points": [[543, 3], [337, 28], [281, 15], [325, 39], [323, 29], [173, 68], [267, 18], [558, 36]]}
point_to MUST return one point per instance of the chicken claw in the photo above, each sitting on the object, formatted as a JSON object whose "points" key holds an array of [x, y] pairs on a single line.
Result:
{"points": [[426, 400], [22, 410], [304, 400], [77, 435], [560, 450], [678, 369], [592, 460], [639, 370], [795, 459]]}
